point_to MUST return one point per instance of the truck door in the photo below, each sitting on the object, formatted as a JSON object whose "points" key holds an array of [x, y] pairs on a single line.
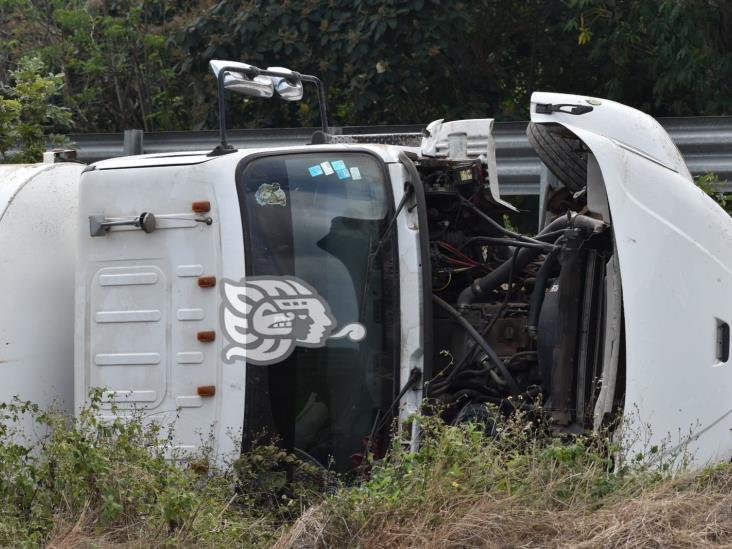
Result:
{"points": [[147, 303], [313, 223]]}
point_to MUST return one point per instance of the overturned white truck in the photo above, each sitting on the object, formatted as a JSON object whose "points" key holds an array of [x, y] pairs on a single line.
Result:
{"points": [[317, 293]]}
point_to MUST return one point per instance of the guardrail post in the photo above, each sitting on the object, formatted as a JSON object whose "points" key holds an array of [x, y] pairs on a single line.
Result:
{"points": [[133, 142]]}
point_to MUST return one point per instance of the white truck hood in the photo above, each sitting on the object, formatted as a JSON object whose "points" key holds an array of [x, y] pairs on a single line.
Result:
{"points": [[628, 128], [674, 248]]}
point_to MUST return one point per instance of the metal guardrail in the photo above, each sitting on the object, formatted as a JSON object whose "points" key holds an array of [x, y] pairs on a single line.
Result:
{"points": [[705, 143]]}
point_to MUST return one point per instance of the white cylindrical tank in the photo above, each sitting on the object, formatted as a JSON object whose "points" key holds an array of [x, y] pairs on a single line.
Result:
{"points": [[38, 206]]}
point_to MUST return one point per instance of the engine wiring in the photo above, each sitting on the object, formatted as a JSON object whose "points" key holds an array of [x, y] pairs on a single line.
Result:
{"points": [[487, 349], [449, 279], [460, 258], [500, 228], [489, 376]]}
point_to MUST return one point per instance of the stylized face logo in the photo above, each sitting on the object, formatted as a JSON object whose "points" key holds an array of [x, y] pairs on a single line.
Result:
{"points": [[303, 319], [265, 318]]}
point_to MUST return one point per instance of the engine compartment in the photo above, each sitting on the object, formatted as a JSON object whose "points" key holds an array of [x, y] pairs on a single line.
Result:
{"points": [[517, 320]]}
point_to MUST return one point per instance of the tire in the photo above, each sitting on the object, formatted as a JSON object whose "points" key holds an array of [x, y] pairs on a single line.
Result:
{"points": [[478, 414], [561, 154]]}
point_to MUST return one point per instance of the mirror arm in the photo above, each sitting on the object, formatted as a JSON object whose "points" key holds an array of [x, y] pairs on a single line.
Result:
{"points": [[321, 98], [224, 147], [222, 110]]}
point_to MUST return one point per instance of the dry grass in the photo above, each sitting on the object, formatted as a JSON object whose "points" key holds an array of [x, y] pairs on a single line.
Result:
{"points": [[692, 511], [91, 485], [522, 488]]}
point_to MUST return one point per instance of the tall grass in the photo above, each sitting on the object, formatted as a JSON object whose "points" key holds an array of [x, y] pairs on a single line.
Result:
{"points": [[112, 484], [464, 488]]}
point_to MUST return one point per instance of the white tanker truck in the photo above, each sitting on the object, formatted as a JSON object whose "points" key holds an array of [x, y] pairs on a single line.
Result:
{"points": [[318, 293]]}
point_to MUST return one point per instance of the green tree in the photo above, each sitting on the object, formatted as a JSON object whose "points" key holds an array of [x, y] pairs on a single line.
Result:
{"points": [[115, 55], [28, 115], [667, 57], [387, 61], [143, 63]]}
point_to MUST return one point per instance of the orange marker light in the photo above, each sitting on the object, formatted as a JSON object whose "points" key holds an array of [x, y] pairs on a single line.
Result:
{"points": [[206, 281], [206, 390], [201, 206], [206, 337]]}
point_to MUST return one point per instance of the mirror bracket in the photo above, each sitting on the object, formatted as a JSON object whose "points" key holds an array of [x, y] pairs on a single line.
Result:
{"points": [[225, 147]]}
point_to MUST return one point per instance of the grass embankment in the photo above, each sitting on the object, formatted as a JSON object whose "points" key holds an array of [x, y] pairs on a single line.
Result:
{"points": [[110, 485]]}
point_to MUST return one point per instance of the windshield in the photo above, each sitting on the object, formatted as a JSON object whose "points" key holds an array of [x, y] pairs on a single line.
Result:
{"points": [[318, 216]]}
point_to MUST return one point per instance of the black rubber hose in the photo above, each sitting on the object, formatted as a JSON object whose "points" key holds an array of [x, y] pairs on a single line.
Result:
{"points": [[482, 343], [500, 274], [537, 295], [492, 222], [508, 242]]}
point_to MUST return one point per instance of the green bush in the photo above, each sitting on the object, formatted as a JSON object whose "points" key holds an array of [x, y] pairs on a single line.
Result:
{"points": [[28, 115], [711, 185], [115, 481]]}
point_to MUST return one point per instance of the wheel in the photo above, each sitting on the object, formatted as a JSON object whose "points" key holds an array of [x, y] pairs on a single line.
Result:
{"points": [[561, 153], [477, 413]]}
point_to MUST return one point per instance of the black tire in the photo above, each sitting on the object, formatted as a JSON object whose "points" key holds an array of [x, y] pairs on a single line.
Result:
{"points": [[562, 155], [478, 414]]}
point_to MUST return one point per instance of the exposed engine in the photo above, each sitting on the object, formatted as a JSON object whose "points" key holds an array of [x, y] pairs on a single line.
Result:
{"points": [[517, 319]]}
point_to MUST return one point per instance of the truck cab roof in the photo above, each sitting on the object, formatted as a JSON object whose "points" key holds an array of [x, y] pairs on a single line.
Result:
{"points": [[389, 153]]}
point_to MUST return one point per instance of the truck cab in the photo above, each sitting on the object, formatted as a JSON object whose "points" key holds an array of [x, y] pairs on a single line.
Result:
{"points": [[163, 314]]}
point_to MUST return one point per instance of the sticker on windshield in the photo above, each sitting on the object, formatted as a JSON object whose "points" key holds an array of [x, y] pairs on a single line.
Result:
{"points": [[270, 194], [326, 168], [266, 317], [355, 173], [340, 169], [315, 170]]}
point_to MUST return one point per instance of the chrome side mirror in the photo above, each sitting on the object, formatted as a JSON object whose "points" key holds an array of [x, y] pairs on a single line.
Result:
{"points": [[250, 80], [240, 78], [289, 89]]}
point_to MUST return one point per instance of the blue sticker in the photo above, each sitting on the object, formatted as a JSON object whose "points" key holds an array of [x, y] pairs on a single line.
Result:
{"points": [[315, 170], [343, 174], [338, 165]]}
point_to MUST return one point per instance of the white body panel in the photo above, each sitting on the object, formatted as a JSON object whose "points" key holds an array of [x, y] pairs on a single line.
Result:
{"points": [[37, 238], [139, 306], [675, 254], [462, 139]]}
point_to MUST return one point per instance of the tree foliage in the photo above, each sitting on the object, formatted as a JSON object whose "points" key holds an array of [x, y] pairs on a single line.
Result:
{"points": [[389, 61], [115, 57], [28, 114], [143, 63], [668, 57]]}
